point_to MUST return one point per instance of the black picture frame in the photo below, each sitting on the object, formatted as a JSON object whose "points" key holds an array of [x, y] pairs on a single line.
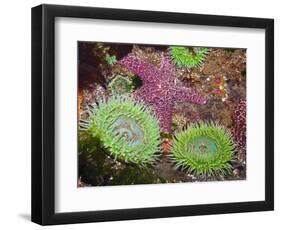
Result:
{"points": [[43, 114]]}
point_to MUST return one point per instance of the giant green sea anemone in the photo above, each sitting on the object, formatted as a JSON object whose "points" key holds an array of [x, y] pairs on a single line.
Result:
{"points": [[188, 57], [203, 149], [120, 85], [127, 128]]}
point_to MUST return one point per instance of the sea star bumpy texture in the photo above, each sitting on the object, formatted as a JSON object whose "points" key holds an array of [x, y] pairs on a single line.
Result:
{"points": [[239, 130], [159, 88]]}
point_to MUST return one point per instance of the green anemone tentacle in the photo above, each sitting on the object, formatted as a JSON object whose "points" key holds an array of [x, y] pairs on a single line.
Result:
{"points": [[205, 148]]}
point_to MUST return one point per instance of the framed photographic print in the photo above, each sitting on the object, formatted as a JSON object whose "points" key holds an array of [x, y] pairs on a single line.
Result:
{"points": [[142, 114]]}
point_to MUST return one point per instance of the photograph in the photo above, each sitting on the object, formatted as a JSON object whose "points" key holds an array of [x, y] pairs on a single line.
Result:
{"points": [[152, 114]]}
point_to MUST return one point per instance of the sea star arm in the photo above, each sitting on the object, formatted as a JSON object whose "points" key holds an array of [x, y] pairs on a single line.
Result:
{"points": [[167, 68], [183, 94], [164, 113], [146, 71]]}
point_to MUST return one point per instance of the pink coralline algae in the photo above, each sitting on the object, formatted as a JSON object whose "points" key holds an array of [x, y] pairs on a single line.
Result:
{"points": [[159, 88], [239, 130]]}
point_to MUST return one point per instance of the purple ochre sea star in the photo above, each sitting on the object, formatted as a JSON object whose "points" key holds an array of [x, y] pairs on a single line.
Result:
{"points": [[159, 88]]}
